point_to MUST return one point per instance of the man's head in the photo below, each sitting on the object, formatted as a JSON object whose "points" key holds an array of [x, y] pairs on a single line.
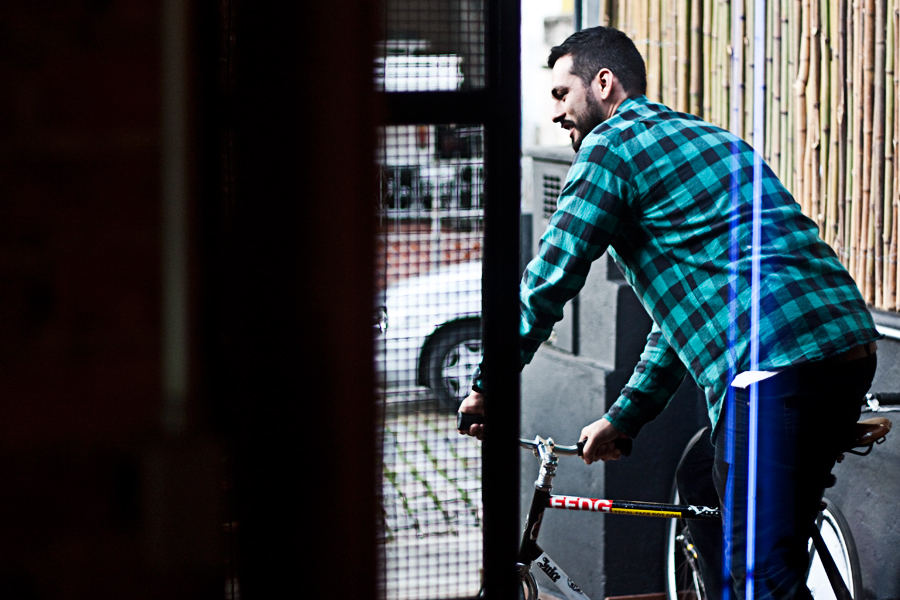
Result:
{"points": [[594, 71]]}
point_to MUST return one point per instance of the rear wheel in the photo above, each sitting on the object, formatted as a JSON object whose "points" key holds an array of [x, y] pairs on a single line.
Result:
{"points": [[455, 351], [683, 581], [839, 541]]}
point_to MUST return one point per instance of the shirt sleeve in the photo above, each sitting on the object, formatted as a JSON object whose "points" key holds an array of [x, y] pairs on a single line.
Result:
{"points": [[654, 381], [590, 209]]}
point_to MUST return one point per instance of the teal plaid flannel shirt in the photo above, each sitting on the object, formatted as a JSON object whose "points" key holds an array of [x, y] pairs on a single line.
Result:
{"points": [[670, 197]]}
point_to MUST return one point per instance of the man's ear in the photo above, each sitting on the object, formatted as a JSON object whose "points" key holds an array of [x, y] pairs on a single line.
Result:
{"points": [[605, 82]]}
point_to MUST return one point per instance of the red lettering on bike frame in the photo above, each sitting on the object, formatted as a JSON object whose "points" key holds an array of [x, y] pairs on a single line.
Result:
{"points": [[577, 503]]}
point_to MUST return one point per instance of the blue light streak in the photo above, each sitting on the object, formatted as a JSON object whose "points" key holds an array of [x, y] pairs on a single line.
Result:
{"points": [[759, 90], [734, 258], [729, 409], [736, 277]]}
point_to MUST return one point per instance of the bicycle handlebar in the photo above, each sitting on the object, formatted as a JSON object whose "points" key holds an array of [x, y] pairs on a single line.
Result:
{"points": [[465, 420], [624, 445]]}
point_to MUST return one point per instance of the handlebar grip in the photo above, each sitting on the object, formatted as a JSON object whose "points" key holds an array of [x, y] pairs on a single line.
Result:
{"points": [[464, 420], [887, 397], [624, 445]]}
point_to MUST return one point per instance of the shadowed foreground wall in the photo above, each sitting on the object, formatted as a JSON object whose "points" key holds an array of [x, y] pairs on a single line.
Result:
{"points": [[116, 434]]}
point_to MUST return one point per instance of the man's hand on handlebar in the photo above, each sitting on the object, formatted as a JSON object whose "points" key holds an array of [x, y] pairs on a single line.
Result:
{"points": [[600, 438], [474, 404]]}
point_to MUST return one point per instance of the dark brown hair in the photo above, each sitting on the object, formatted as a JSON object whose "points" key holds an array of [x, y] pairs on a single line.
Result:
{"points": [[603, 48]]}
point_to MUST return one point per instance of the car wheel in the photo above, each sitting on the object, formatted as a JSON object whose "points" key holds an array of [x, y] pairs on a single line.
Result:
{"points": [[455, 351]]}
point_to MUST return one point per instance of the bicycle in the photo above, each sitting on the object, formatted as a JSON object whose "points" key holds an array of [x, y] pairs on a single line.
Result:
{"points": [[832, 551]]}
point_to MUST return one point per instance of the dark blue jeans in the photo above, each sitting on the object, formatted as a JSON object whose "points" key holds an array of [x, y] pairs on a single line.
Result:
{"points": [[806, 417]]}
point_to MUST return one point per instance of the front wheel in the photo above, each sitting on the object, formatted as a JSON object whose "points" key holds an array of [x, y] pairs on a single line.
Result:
{"points": [[455, 351], [839, 541], [527, 591]]}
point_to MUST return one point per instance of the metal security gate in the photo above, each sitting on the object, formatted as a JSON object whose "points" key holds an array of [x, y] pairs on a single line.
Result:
{"points": [[447, 203]]}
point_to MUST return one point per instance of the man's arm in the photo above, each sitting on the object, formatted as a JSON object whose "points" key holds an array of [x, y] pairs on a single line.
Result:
{"points": [[590, 212], [654, 381]]}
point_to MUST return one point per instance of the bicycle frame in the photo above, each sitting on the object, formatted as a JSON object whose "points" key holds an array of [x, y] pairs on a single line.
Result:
{"points": [[531, 553]]}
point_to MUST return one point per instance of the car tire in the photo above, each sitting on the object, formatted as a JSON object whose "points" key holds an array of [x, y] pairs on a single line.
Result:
{"points": [[454, 352]]}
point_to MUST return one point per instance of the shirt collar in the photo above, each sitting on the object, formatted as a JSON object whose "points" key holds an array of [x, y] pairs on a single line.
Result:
{"points": [[632, 102]]}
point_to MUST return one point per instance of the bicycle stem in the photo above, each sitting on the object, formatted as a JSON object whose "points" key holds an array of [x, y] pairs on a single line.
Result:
{"points": [[549, 462]]}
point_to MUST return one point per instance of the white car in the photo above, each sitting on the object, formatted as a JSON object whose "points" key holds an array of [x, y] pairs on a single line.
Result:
{"points": [[429, 332]]}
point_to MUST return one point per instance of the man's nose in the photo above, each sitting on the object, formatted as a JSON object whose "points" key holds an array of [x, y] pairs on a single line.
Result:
{"points": [[559, 115]]}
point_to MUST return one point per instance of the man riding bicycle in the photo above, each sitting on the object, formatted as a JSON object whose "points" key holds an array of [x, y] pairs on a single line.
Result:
{"points": [[671, 198]]}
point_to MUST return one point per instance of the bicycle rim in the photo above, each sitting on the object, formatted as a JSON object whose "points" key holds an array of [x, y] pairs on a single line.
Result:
{"points": [[529, 589], [683, 580], [839, 541]]}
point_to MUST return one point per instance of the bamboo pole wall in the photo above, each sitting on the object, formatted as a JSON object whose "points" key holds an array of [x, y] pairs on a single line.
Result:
{"points": [[832, 102]]}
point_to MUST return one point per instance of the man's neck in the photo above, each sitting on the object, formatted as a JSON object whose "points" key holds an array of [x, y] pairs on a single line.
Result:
{"points": [[614, 103]]}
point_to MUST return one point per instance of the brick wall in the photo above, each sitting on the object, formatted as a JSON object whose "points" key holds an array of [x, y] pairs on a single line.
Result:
{"points": [[411, 249]]}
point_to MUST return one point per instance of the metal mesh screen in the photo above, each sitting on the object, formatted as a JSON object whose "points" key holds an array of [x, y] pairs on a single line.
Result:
{"points": [[430, 198], [432, 45], [428, 342]]}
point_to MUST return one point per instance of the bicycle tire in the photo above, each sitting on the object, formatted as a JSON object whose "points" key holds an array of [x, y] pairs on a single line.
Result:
{"points": [[683, 581], [683, 575], [528, 590], [839, 541]]}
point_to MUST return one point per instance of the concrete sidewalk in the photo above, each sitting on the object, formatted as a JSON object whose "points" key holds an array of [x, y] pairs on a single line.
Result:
{"points": [[432, 504]]}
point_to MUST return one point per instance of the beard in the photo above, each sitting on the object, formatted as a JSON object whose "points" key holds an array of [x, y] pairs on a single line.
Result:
{"points": [[587, 120]]}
